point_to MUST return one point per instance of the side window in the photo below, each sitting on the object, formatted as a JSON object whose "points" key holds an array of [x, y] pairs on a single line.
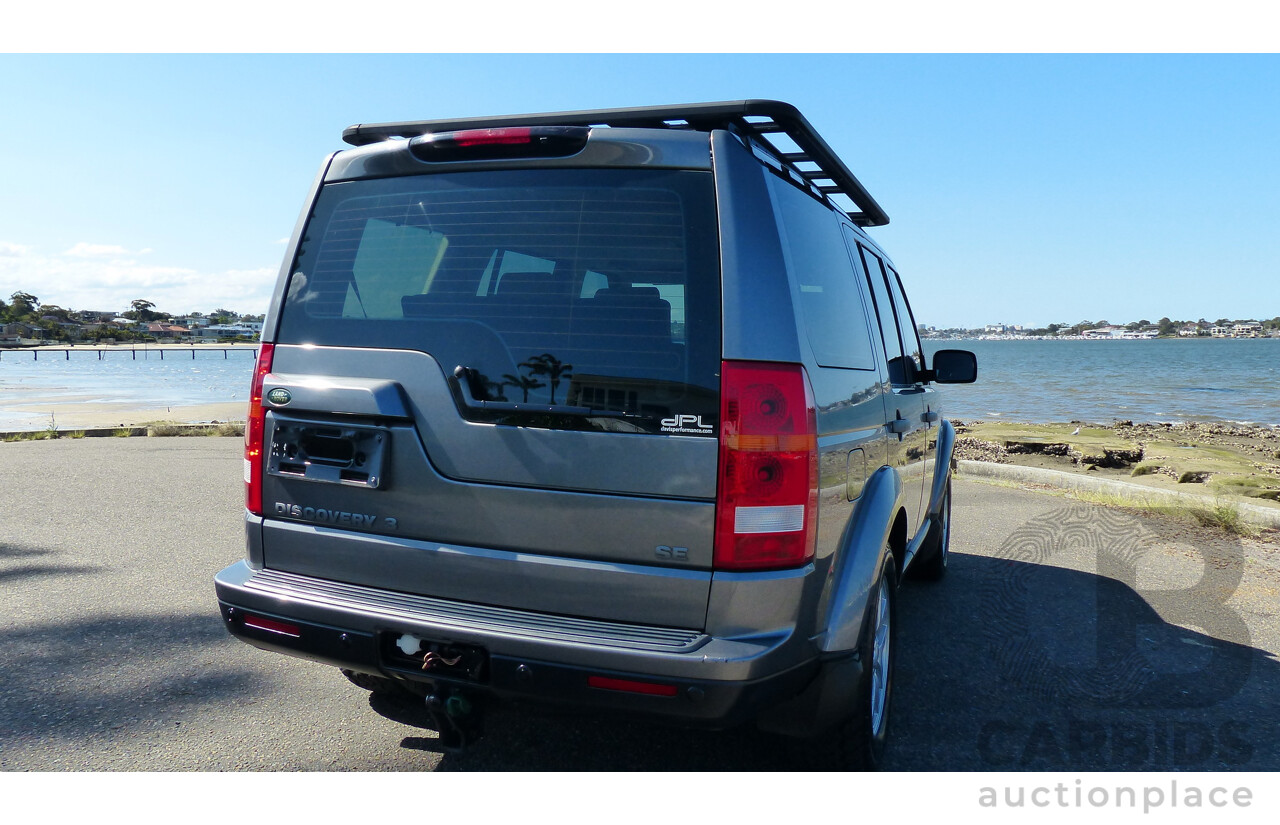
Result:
{"points": [[391, 260], [511, 262], [906, 320], [823, 281], [899, 369]]}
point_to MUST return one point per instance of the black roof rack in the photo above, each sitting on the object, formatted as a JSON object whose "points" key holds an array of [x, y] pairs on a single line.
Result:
{"points": [[831, 177]]}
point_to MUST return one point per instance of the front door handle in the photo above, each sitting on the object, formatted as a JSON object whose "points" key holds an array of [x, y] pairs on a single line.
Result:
{"points": [[899, 426]]}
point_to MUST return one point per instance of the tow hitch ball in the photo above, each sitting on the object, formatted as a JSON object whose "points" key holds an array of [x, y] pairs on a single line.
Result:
{"points": [[456, 720]]}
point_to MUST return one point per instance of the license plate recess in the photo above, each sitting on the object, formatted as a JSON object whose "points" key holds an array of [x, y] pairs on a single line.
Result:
{"points": [[348, 454]]}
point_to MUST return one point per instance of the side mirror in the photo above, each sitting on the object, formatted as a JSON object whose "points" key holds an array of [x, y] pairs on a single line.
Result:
{"points": [[954, 366]]}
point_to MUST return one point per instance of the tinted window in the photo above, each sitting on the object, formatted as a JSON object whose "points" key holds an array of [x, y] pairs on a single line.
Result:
{"points": [[824, 282], [906, 321], [899, 369], [586, 288]]}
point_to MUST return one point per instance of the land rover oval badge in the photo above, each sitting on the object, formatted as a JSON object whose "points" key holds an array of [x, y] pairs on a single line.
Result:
{"points": [[279, 396]]}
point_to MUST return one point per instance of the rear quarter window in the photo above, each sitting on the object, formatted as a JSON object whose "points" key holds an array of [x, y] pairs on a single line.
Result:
{"points": [[824, 283]]}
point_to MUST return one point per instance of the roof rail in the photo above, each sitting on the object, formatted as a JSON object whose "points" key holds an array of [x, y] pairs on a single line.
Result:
{"points": [[831, 177]]}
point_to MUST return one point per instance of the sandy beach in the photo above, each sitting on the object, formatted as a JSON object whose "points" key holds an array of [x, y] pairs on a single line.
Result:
{"points": [[76, 415], [80, 387]]}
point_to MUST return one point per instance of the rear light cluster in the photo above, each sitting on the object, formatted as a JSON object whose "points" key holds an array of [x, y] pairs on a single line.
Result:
{"points": [[767, 492], [254, 429], [497, 144]]}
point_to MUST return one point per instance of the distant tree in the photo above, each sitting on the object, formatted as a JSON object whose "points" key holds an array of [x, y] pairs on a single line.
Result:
{"points": [[1221, 322], [24, 303], [143, 310]]}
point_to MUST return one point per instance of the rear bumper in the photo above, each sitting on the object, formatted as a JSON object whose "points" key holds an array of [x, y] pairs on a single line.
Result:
{"points": [[705, 680]]}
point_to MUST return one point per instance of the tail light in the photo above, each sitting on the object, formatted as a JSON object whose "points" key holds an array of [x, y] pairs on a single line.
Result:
{"points": [[497, 144], [254, 429], [767, 493]]}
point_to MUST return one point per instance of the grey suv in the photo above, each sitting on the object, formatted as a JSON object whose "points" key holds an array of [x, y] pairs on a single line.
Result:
{"points": [[614, 409]]}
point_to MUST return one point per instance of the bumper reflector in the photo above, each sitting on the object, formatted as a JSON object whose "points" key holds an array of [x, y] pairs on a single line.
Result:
{"points": [[629, 686], [272, 626]]}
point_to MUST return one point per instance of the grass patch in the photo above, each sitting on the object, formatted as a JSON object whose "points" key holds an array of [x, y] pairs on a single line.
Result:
{"points": [[163, 429], [122, 432], [34, 435], [172, 429], [1224, 517], [1146, 468], [74, 434], [1262, 487]]}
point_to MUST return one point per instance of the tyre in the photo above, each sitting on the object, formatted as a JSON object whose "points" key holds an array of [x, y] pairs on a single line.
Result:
{"points": [[859, 744], [933, 566]]}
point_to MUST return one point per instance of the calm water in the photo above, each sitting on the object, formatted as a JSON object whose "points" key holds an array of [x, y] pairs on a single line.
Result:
{"points": [[1093, 381], [1102, 381], [208, 378]]}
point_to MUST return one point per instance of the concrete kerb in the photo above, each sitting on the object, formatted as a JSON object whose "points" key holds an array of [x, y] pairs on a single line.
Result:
{"points": [[1255, 514], [132, 431]]}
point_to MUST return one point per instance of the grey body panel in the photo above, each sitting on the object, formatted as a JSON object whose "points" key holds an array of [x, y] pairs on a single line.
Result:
{"points": [[664, 466], [521, 580]]}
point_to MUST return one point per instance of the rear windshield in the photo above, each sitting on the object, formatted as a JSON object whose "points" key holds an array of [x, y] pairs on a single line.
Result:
{"points": [[585, 298]]}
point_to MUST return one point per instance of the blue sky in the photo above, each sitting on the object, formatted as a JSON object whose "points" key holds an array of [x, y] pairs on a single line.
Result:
{"points": [[1022, 188]]}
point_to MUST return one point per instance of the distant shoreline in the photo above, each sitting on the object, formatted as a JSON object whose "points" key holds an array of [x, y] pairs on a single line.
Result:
{"points": [[1097, 338], [147, 345]]}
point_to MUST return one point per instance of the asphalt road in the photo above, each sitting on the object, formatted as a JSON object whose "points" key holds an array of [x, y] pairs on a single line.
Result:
{"points": [[1065, 637]]}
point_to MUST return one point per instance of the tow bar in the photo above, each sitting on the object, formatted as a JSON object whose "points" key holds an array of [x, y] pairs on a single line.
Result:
{"points": [[456, 719]]}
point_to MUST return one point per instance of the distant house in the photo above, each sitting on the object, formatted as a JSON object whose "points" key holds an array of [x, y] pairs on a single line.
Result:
{"points": [[1247, 329], [163, 330], [18, 330], [1189, 331], [230, 330]]}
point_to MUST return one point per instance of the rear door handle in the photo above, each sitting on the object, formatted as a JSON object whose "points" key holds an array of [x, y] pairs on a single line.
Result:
{"points": [[899, 426], [930, 417]]}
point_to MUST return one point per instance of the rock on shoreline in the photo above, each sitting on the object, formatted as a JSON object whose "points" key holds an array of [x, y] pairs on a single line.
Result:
{"points": [[1232, 459]]}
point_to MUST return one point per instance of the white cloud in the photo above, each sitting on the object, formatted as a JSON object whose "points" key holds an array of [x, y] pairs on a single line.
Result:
{"points": [[97, 250], [96, 277]]}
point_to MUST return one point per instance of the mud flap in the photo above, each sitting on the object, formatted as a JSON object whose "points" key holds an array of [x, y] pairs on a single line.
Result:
{"points": [[825, 703]]}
